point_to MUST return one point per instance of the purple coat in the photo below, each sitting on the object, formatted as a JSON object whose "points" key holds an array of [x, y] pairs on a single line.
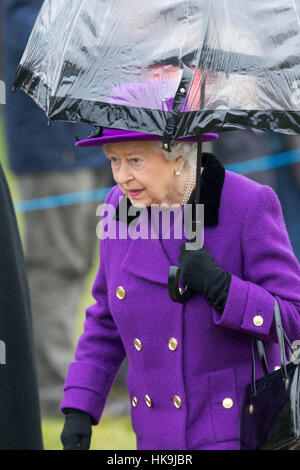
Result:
{"points": [[207, 364]]}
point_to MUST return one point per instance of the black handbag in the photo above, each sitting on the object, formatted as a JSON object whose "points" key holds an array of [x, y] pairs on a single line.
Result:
{"points": [[270, 414]]}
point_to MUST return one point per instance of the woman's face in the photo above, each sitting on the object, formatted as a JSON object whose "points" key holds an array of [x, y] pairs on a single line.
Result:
{"points": [[145, 176]]}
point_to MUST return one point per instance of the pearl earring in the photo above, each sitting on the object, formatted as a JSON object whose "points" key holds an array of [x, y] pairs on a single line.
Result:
{"points": [[178, 173]]}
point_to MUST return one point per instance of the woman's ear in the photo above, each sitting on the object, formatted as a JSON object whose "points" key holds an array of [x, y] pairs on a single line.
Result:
{"points": [[180, 163]]}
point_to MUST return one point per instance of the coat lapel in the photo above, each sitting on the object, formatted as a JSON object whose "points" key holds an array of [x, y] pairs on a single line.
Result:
{"points": [[147, 259], [151, 258]]}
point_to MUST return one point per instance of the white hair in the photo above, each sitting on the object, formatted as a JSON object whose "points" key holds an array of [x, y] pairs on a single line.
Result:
{"points": [[188, 150]]}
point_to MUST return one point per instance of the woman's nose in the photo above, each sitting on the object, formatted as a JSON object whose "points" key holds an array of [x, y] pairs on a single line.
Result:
{"points": [[123, 174]]}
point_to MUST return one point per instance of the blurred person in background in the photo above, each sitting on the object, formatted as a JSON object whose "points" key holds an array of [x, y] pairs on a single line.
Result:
{"points": [[59, 242], [20, 424], [239, 146]]}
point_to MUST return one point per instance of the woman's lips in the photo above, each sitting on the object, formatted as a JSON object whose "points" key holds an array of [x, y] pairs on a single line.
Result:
{"points": [[135, 193]]}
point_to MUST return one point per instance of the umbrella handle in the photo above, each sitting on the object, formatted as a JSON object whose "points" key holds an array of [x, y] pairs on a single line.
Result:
{"points": [[174, 289]]}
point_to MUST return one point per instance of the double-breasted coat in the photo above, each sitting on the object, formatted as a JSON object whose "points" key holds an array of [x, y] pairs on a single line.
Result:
{"points": [[188, 364]]}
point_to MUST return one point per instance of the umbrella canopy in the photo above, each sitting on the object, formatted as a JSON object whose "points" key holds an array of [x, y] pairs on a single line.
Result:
{"points": [[224, 64]]}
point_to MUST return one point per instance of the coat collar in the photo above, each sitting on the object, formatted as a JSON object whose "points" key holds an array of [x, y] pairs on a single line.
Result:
{"points": [[210, 195]]}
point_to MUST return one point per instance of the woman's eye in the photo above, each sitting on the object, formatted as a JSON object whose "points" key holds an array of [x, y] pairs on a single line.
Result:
{"points": [[135, 163]]}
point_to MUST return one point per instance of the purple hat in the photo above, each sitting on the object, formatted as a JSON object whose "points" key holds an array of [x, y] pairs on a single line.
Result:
{"points": [[155, 94], [115, 135]]}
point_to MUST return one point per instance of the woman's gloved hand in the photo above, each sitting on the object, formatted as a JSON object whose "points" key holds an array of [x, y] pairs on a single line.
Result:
{"points": [[77, 431], [200, 272]]}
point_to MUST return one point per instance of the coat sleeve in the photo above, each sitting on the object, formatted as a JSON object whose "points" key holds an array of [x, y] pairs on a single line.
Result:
{"points": [[98, 355], [270, 270]]}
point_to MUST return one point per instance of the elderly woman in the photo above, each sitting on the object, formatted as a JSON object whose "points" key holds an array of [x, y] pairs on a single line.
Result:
{"points": [[189, 363]]}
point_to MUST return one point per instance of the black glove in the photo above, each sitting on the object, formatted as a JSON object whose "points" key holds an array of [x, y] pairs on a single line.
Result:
{"points": [[200, 272], [77, 431]]}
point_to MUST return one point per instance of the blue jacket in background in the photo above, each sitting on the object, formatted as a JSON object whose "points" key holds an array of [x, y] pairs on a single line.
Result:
{"points": [[32, 145]]}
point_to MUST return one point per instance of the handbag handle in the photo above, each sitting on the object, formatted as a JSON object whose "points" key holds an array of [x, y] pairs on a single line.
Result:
{"points": [[261, 350]]}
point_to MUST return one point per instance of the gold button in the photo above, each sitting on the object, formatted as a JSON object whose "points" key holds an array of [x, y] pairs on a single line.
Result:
{"points": [[134, 401], [173, 344], [251, 409], [121, 293], [227, 403], [137, 344], [177, 401], [148, 401], [258, 320]]}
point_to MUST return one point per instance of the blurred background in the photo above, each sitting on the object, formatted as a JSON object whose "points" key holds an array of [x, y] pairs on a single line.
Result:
{"points": [[40, 161]]}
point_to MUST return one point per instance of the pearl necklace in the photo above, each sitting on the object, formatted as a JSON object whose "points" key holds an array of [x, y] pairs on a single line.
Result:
{"points": [[189, 187]]}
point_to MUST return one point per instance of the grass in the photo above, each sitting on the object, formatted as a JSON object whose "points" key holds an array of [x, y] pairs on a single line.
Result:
{"points": [[112, 432]]}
